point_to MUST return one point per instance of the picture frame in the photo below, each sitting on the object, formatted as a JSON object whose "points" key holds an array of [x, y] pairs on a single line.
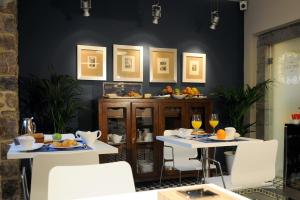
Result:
{"points": [[128, 63], [194, 68], [91, 62], [163, 65]]}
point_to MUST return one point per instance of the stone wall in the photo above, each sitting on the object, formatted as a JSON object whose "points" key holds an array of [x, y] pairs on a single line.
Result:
{"points": [[9, 106]]}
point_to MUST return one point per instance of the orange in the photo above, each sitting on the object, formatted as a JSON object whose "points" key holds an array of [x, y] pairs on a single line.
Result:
{"points": [[221, 134]]}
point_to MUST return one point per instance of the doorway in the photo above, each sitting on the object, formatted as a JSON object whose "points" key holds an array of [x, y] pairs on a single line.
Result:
{"points": [[283, 96]]}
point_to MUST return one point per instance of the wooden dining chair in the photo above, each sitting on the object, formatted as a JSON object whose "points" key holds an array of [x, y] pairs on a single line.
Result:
{"points": [[72, 182], [253, 166], [43, 163]]}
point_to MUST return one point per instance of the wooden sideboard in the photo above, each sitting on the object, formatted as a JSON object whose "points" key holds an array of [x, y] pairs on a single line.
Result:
{"points": [[139, 121]]}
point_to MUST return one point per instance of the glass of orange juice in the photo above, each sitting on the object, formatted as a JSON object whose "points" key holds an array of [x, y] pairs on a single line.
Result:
{"points": [[196, 121], [214, 121]]}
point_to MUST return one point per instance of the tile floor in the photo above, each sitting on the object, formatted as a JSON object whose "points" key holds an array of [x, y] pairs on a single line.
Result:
{"points": [[257, 193]]}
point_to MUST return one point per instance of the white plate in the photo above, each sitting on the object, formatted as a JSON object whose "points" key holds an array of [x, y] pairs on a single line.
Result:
{"points": [[226, 139], [34, 147], [162, 96], [70, 147], [179, 96]]}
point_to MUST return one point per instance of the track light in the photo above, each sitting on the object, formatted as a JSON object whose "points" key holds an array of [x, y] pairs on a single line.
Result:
{"points": [[156, 13], [214, 21], [86, 5], [214, 14]]}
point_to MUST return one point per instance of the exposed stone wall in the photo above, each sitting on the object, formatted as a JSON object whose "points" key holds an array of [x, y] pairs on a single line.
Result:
{"points": [[9, 108]]}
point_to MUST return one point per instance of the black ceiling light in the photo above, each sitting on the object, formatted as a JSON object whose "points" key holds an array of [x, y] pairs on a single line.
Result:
{"points": [[214, 21], [86, 5], [214, 15], [156, 12]]}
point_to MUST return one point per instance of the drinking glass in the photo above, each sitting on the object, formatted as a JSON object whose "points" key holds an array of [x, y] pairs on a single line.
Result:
{"points": [[214, 121], [196, 121]]}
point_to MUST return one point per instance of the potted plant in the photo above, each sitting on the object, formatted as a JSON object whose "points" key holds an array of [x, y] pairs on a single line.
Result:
{"points": [[235, 104], [53, 102]]}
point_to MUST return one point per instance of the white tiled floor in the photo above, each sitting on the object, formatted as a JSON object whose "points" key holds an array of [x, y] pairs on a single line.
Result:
{"points": [[258, 193]]}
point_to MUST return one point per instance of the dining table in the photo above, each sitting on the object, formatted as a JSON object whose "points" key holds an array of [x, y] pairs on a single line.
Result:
{"points": [[100, 147], [154, 194], [203, 143]]}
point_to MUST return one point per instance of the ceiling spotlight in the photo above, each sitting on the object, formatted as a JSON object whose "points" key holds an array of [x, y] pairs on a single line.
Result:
{"points": [[156, 12], [243, 5], [214, 21], [86, 5], [214, 14]]}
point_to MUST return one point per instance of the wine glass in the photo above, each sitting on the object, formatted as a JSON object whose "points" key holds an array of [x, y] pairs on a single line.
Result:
{"points": [[214, 121], [196, 121]]}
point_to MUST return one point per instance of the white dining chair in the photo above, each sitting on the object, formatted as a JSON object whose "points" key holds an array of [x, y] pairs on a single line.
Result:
{"points": [[43, 163], [253, 166], [72, 182], [180, 158]]}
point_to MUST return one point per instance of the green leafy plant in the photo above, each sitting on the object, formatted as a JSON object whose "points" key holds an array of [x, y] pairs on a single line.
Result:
{"points": [[237, 102], [54, 102]]}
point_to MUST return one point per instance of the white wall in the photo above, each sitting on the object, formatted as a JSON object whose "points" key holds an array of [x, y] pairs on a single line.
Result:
{"points": [[263, 15]]}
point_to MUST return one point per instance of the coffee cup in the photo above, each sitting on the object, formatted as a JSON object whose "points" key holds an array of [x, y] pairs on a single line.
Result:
{"points": [[26, 142], [116, 138], [89, 137], [148, 137], [230, 132], [146, 130]]}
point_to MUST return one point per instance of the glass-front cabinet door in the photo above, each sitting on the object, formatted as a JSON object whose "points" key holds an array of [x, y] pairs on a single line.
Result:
{"points": [[144, 131], [115, 128], [172, 116]]}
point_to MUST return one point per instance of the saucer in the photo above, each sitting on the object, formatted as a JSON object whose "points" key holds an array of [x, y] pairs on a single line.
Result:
{"points": [[225, 139], [34, 147]]}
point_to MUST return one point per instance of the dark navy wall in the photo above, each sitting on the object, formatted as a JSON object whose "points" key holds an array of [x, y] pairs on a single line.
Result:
{"points": [[49, 31]]}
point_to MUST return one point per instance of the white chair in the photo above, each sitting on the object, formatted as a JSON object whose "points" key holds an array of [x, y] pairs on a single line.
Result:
{"points": [[43, 163], [72, 182], [181, 159], [253, 166]]}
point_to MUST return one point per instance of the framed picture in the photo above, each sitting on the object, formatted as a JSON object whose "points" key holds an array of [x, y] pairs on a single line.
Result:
{"points": [[91, 62], [128, 63], [163, 65], [194, 68]]}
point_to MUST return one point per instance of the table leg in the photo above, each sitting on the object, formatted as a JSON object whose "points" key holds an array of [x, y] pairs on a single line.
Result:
{"points": [[205, 163]]}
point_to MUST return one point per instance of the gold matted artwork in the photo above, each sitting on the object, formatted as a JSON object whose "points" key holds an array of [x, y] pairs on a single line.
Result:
{"points": [[91, 62], [163, 65], [194, 68], [128, 63]]}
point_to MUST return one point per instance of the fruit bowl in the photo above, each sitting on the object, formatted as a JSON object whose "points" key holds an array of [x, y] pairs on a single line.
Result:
{"points": [[179, 96]]}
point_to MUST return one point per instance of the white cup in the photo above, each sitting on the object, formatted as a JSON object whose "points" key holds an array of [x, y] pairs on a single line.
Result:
{"points": [[148, 137], [116, 138], [89, 137], [146, 130], [230, 132], [26, 141]]}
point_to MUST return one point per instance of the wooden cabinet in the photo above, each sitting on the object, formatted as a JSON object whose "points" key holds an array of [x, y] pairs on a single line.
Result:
{"points": [[133, 124]]}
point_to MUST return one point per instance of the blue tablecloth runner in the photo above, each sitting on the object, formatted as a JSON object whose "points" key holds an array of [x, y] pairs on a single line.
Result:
{"points": [[47, 148]]}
